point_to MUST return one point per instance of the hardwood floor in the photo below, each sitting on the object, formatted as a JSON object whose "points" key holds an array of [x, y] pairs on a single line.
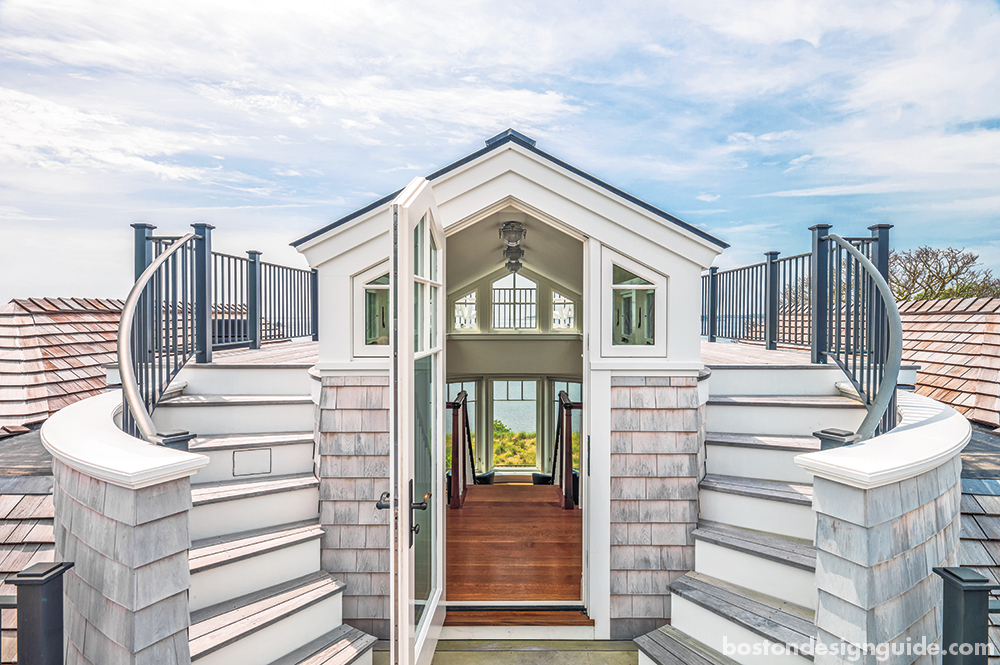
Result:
{"points": [[517, 618], [513, 542]]}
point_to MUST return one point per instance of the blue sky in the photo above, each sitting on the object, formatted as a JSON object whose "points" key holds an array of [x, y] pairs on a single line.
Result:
{"points": [[753, 120]]}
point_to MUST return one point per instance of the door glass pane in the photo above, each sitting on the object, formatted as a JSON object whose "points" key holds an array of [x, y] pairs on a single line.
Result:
{"points": [[432, 314], [515, 421], [434, 258], [622, 276], [632, 317], [424, 481], [418, 249], [418, 317]]}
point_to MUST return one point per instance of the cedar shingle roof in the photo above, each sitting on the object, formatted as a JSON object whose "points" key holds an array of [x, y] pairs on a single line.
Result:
{"points": [[26, 538], [979, 547], [51, 354], [956, 342]]}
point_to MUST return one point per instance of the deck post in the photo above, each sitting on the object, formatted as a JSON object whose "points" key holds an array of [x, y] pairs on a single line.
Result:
{"points": [[143, 247], [771, 303], [713, 303], [818, 300], [203, 291], [253, 299], [40, 613], [966, 615], [880, 253], [314, 303]]}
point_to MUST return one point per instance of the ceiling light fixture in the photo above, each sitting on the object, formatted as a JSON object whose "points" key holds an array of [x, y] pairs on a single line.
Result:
{"points": [[512, 233]]}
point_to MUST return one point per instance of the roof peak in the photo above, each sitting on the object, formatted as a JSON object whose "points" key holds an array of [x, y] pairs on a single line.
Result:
{"points": [[510, 133]]}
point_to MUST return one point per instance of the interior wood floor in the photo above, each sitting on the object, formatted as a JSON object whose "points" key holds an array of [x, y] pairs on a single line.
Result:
{"points": [[514, 542], [517, 618]]}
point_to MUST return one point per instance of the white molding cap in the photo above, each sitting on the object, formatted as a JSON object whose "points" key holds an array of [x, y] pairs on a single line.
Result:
{"points": [[84, 436], [929, 435]]}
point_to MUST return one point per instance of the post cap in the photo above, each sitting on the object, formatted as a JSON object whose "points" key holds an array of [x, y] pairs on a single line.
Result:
{"points": [[966, 578], [820, 227], [142, 225], [772, 253], [834, 437], [204, 225], [875, 227], [252, 252], [39, 573]]}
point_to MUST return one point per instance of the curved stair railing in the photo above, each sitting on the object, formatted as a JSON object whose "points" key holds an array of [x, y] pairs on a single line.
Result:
{"points": [[157, 334], [864, 332]]}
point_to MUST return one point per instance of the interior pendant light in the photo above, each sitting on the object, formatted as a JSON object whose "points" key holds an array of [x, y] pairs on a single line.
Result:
{"points": [[512, 233]]}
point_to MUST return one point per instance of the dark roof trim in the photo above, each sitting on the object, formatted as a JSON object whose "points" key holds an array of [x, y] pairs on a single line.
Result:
{"points": [[527, 143]]}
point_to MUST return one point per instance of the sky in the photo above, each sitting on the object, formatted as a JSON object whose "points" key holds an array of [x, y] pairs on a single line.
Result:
{"points": [[752, 120]]}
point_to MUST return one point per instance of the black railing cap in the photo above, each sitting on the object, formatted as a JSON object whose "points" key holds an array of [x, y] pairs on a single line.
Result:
{"points": [[40, 573]]}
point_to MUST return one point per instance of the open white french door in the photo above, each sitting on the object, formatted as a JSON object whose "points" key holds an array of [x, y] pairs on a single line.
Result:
{"points": [[418, 425]]}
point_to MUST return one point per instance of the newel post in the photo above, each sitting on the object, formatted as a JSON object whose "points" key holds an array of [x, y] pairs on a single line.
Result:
{"points": [[966, 616], [713, 303], [820, 288], [40, 613], [880, 253], [253, 299], [203, 291], [143, 247], [771, 304]]}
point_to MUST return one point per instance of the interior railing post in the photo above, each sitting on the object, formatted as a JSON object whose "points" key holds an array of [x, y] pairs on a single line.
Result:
{"points": [[314, 300], [253, 299], [713, 303], [203, 291], [771, 304], [820, 291], [456, 457]]}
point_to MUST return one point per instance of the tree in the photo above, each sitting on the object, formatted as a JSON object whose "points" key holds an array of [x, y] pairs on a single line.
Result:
{"points": [[929, 273]]}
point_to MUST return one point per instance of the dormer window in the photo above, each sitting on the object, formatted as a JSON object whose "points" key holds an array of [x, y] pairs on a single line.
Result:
{"points": [[515, 303]]}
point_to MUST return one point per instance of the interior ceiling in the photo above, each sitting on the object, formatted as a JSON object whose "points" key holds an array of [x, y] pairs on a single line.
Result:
{"points": [[476, 251]]}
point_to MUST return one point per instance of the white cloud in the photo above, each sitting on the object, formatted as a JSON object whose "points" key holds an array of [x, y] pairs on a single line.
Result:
{"points": [[708, 198]]}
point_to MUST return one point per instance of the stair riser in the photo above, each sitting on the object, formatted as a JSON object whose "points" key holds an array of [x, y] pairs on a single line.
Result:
{"points": [[645, 660], [709, 629], [796, 421], [759, 463], [258, 512], [221, 380], [818, 380], [749, 512], [756, 573], [283, 460], [239, 578], [270, 643], [235, 419]]}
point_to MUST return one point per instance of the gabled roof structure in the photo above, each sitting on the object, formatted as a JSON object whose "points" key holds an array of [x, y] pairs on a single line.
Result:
{"points": [[956, 343], [505, 138], [52, 353]]}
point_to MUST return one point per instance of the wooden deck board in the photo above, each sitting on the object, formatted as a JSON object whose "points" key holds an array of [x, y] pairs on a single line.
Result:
{"points": [[513, 542]]}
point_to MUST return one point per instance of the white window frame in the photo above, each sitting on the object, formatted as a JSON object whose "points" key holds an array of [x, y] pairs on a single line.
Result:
{"points": [[658, 282], [359, 282]]}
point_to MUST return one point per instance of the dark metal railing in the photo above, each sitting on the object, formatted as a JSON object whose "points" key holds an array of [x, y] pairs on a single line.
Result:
{"points": [[158, 331], [462, 454], [834, 300], [188, 300]]}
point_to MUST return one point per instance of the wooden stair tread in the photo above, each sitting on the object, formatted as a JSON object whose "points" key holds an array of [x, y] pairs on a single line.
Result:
{"points": [[762, 489], [817, 401], [221, 550], [782, 549], [669, 646], [341, 646], [206, 443], [218, 626], [229, 490], [775, 620], [234, 400], [763, 441]]}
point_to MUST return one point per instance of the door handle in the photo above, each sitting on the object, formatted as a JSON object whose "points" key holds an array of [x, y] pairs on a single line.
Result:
{"points": [[383, 502], [415, 528]]}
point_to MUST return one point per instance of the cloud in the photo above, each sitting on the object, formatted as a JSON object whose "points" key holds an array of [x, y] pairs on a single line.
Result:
{"points": [[708, 198]]}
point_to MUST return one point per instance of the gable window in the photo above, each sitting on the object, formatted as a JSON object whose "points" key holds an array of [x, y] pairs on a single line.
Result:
{"points": [[635, 309], [372, 315], [563, 312], [515, 303], [465, 312]]}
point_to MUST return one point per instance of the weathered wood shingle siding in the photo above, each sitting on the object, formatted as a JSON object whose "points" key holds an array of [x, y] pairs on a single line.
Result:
{"points": [[657, 457], [353, 445]]}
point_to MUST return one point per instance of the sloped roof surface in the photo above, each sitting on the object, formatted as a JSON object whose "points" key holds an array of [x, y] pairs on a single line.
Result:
{"points": [[979, 547], [51, 354], [956, 342], [512, 136], [26, 538]]}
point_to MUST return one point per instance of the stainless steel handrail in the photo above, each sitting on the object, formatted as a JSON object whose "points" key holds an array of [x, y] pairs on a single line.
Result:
{"points": [[894, 358], [130, 385]]}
